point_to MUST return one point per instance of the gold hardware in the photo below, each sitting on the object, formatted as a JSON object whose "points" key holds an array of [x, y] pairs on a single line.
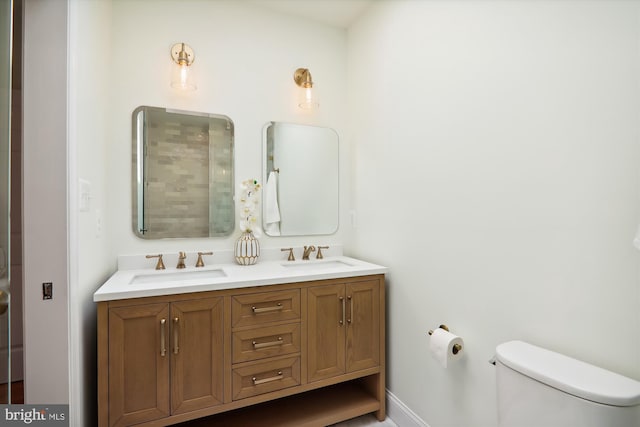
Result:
{"points": [[456, 347], [320, 248], [291, 257], [175, 335], [307, 251], [258, 345], [276, 170], [278, 376], [350, 309], [181, 257], [160, 264], [445, 327], [341, 321], [182, 54], [257, 310], [199, 262], [302, 77], [163, 346]]}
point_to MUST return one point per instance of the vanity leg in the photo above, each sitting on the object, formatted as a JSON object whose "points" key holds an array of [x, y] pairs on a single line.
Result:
{"points": [[103, 365]]}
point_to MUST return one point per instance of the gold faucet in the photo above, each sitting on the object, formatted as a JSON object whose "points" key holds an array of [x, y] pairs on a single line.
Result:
{"points": [[199, 262], [181, 257], [160, 264], [291, 257], [307, 251], [320, 248]]}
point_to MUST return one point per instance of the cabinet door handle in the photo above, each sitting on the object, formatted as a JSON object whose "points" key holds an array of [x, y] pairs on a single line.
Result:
{"points": [[163, 344], [350, 309], [175, 335], [341, 321], [257, 310], [278, 376], [258, 345]]}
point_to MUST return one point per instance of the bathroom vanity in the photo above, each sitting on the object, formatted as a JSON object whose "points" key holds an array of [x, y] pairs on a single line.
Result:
{"points": [[275, 344]]}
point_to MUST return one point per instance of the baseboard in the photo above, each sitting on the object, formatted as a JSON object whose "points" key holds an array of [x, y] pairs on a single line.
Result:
{"points": [[400, 414]]}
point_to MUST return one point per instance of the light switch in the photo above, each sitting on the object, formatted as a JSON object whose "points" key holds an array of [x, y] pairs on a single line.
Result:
{"points": [[85, 196]]}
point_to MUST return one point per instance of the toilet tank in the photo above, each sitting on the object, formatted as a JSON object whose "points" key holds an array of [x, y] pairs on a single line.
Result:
{"points": [[537, 387]]}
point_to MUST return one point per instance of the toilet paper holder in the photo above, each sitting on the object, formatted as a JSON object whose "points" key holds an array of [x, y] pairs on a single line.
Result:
{"points": [[456, 347]]}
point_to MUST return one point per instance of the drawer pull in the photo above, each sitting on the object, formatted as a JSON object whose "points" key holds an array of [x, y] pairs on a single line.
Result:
{"points": [[258, 345], [175, 335], [256, 381], [163, 345], [257, 310]]}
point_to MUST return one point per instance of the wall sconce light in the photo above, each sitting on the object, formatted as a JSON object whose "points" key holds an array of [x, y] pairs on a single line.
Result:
{"points": [[181, 77], [308, 99]]}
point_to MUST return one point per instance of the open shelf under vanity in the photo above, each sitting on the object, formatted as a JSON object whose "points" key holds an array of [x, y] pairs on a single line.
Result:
{"points": [[321, 407]]}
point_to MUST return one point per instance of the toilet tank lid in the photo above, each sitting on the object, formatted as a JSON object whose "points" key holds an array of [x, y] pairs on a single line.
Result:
{"points": [[569, 375]]}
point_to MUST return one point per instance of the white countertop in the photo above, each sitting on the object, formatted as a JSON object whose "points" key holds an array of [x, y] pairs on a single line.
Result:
{"points": [[228, 276]]}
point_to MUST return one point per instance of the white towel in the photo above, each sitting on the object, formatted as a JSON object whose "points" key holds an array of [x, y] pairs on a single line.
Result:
{"points": [[271, 209]]}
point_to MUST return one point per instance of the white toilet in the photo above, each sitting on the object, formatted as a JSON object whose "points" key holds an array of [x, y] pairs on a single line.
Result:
{"points": [[540, 388]]}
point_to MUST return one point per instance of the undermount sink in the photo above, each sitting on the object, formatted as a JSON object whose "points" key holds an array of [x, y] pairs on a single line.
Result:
{"points": [[160, 276], [316, 265]]}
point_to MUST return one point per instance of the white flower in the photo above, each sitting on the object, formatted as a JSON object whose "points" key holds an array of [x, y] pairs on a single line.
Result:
{"points": [[248, 206]]}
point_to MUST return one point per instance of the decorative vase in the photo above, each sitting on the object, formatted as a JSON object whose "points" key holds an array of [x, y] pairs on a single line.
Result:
{"points": [[247, 249]]}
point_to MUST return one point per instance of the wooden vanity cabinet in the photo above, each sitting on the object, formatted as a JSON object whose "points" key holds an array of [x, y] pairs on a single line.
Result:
{"points": [[344, 328], [265, 327], [299, 354], [197, 362], [164, 359], [138, 371]]}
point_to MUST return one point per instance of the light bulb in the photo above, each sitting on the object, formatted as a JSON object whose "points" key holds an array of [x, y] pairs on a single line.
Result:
{"points": [[308, 100], [183, 78], [182, 73]]}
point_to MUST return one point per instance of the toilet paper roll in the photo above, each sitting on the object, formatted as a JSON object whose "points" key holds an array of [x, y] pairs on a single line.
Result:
{"points": [[442, 346]]}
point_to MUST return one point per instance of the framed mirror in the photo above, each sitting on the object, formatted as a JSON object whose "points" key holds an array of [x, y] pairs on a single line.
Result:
{"points": [[182, 174], [300, 172]]}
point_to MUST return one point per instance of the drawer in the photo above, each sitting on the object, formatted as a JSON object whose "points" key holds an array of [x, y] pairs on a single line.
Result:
{"points": [[265, 307], [265, 377], [259, 343]]}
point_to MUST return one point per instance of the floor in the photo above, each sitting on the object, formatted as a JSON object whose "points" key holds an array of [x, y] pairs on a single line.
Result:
{"points": [[366, 421], [17, 392]]}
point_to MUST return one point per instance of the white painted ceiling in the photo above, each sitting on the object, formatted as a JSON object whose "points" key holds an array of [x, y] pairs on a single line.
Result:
{"points": [[337, 13]]}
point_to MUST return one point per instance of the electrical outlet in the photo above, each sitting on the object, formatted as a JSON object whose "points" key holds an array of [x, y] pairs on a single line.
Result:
{"points": [[47, 290]]}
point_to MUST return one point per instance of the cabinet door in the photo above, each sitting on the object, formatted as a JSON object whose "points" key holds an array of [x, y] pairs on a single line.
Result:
{"points": [[326, 334], [363, 325], [196, 354], [138, 364]]}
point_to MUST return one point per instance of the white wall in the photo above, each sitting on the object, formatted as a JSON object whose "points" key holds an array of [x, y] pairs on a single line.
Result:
{"points": [[45, 199], [91, 261], [496, 172], [245, 60]]}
